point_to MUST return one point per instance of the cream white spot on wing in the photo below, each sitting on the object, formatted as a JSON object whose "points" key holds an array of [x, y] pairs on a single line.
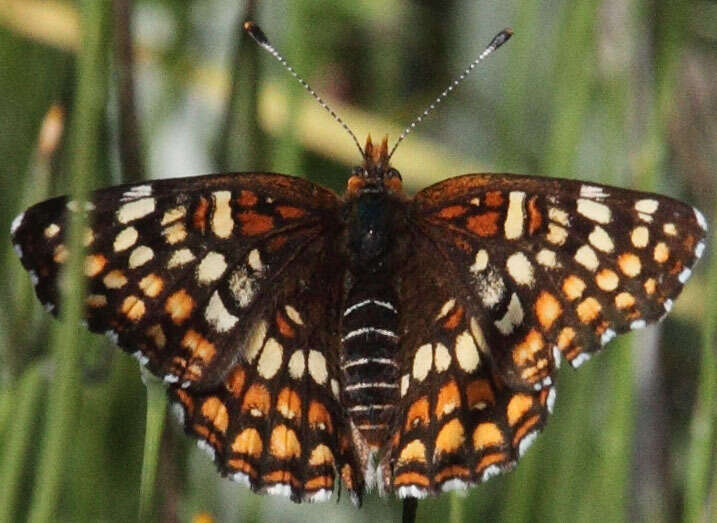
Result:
{"points": [[512, 318], [592, 191], [16, 222], [640, 236], [138, 191], [243, 286], [222, 222], [515, 217], [547, 258], [478, 335], [270, 359], [447, 307], [335, 388], [211, 268], [669, 229], [490, 287], [317, 367], [126, 238], [422, 362], [586, 257], [135, 210], [600, 239], [51, 230], [442, 357], [467, 352], [700, 218], [293, 315], [556, 234], [254, 261], [179, 258], [175, 233], [648, 206], [140, 256], [404, 384], [520, 269], [172, 215], [559, 216], [684, 275], [297, 364], [481, 261], [255, 340], [217, 314], [597, 212], [700, 249]]}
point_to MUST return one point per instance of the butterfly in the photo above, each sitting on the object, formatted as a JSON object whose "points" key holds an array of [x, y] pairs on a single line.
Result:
{"points": [[370, 339]]}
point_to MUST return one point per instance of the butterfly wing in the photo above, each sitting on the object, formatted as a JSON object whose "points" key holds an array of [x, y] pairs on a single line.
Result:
{"points": [[552, 267], [177, 269], [508, 273], [456, 424]]}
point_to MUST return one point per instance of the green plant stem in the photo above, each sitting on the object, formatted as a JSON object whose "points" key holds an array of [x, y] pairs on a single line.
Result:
{"points": [[702, 430], [29, 392], [156, 409], [65, 389]]}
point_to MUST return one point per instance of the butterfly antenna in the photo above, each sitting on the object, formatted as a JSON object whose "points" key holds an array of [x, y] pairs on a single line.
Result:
{"points": [[260, 38], [497, 41]]}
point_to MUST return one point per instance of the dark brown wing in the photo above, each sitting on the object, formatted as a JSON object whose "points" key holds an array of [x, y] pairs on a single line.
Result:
{"points": [[508, 273]]}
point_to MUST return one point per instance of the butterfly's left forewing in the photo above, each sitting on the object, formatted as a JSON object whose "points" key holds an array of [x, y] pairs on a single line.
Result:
{"points": [[178, 269]]}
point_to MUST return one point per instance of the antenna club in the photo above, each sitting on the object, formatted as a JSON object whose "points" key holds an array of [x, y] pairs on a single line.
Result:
{"points": [[501, 38], [256, 33]]}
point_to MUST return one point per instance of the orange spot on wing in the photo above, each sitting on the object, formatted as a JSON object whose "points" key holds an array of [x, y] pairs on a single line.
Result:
{"points": [[524, 429], [247, 198], [525, 351], [479, 394], [151, 285], [284, 444], [281, 476], [450, 472], [133, 308], [254, 223], [661, 252], [347, 476], [547, 309], [235, 381], [185, 399], [573, 287], [490, 459], [417, 414], [629, 264], [248, 442], [450, 437], [449, 399], [240, 465], [588, 309], [179, 306], [256, 399], [157, 335], [287, 211], [283, 326], [199, 218], [214, 410], [607, 280], [94, 264], [319, 417], [319, 482], [487, 435], [452, 211], [517, 407], [411, 478], [288, 404], [493, 199], [454, 319], [565, 337], [199, 346], [650, 286], [413, 451], [321, 455], [485, 224], [536, 218]]}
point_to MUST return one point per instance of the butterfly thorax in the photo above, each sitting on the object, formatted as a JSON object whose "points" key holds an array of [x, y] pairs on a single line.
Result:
{"points": [[369, 357]]}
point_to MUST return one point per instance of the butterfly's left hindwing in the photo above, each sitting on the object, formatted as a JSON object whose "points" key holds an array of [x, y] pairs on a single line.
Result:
{"points": [[178, 269]]}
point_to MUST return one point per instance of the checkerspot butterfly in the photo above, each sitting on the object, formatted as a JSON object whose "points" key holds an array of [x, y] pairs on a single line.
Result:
{"points": [[409, 343]]}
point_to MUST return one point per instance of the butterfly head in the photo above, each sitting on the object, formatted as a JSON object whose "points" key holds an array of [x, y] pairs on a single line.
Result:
{"points": [[376, 173]]}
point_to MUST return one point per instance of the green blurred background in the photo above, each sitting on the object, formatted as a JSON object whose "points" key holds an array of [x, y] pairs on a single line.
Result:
{"points": [[619, 92]]}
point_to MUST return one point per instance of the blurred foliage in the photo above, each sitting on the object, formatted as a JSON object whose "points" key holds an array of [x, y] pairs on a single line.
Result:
{"points": [[615, 92]]}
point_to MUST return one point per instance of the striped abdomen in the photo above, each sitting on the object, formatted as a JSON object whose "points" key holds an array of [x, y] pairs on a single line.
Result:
{"points": [[369, 358]]}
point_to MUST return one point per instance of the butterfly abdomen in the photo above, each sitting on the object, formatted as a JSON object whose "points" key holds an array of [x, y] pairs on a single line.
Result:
{"points": [[369, 357]]}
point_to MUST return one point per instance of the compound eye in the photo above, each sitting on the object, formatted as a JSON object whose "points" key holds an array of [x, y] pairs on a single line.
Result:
{"points": [[393, 173], [359, 171]]}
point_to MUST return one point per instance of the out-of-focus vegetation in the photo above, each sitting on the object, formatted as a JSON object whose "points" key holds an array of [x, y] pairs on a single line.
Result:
{"points": [[615, 92]]}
